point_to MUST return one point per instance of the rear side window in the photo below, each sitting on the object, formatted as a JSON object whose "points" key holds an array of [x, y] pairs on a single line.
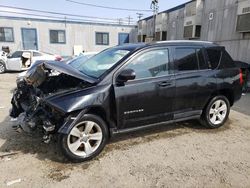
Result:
{"points": [[189, 59], [186, 59], [214, 57]]}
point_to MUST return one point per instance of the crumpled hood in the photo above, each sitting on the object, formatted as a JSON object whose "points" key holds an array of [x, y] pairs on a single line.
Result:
{"points": [[69, 70]]}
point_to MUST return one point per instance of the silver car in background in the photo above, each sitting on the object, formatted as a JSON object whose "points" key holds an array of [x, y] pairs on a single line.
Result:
{"points": [[23, 59]]}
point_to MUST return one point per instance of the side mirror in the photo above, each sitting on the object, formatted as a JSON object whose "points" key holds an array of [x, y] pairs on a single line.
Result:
{"points": [[126, 75]]}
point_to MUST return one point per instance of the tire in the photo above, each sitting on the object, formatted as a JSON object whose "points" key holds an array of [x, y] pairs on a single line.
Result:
{"points": [[81, 146], [216, 112], [2, 67]]}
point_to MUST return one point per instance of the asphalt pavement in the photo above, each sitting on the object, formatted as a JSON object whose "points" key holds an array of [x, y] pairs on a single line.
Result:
{"points": [[243, 105]]}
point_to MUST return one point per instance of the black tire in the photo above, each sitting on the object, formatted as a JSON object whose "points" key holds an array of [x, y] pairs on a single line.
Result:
{"points": [[2, 67], [63, 139], [206, 116]]}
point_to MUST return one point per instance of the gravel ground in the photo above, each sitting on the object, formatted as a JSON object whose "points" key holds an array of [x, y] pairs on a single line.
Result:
{"points": [[176, 155]]}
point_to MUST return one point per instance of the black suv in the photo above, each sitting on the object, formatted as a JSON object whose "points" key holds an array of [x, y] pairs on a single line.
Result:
{"points": [[126, 88]]}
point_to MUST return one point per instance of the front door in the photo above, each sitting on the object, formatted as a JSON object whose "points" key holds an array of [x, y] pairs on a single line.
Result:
{"points": [[14, 61], [149, 98], [29, 37]]}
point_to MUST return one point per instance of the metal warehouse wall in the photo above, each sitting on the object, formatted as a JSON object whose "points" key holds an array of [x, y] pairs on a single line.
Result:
{"points": [[222, 28], [76, 34]]}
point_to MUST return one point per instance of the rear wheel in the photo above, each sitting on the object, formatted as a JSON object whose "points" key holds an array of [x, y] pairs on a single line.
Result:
{"points": [[216, 112], [2, 67], [85, 140]]}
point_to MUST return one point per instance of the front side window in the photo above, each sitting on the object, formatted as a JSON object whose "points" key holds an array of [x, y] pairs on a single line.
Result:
{"points": [[150, 64], [6, 34], [102, 38], [17, 54], [57, 37]]}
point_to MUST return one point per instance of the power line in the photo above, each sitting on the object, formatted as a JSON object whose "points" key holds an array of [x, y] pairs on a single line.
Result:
{"points": [[106, 7], [57, 17], [139, 15], [57, 13]]}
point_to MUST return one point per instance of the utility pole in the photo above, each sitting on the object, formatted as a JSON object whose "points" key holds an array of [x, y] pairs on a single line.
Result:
{"points": [[140, 15], [155, 7], [120, 21], [129, 19]]}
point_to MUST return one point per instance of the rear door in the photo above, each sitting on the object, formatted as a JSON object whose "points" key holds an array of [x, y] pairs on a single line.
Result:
{"points": [[194, 81], [149, 98]]}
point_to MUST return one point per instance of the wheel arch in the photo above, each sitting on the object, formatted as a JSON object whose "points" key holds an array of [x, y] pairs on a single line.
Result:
{"points": [[95, 110], [228, 93]]}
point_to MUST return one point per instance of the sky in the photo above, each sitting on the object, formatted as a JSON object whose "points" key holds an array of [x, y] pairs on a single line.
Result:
{"points": [[64, 6]]}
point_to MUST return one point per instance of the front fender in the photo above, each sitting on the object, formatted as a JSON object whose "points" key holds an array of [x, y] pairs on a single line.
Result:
{"points": [[70, 122], [80, 99]]}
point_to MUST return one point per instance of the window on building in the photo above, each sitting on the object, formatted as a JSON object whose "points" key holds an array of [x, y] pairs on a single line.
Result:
{"points": [[198, 31], [6, 34], [57, 36], [102, 38], [186, 59], [150, 64]]}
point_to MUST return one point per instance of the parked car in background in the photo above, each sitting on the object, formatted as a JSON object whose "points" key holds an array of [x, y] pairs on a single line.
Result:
{"points": [[127, 88], [3, 59], [75, 62], [23, 59]]}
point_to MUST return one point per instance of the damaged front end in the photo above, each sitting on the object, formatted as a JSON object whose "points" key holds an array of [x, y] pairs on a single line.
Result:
{"points": [[30, 104]]}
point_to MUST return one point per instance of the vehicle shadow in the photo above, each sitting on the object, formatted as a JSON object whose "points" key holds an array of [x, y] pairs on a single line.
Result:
{"points": [[32, 143]]}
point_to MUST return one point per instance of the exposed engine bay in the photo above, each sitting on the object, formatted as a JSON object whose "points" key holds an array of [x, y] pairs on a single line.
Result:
{"points": [[29, 99]]}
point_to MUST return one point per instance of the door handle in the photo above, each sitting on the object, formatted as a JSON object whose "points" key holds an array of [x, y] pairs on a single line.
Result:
{"points": [[165, 84]]}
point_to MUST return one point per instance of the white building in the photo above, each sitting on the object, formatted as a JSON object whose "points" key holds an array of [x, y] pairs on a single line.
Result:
{"points": [[62, 37]]}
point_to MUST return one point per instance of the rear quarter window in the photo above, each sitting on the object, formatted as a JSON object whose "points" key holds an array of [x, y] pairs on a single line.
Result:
{"points": [[186, 59], [214, 56], [226, 61]]}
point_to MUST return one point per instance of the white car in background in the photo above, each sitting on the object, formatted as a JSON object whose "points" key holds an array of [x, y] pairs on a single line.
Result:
{"points": [[21, 60], [75, 62]]}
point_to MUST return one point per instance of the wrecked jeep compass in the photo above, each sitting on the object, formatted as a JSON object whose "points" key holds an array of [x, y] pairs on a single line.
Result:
{"points": [[126, 88]]}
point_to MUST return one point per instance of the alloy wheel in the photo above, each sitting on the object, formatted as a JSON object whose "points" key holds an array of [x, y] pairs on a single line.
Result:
{"points": [[85, 138], [218, 112]]}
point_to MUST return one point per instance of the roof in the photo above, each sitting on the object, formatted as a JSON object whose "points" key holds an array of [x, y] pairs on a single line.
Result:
{"points": [[165, 43], [169, 10]]}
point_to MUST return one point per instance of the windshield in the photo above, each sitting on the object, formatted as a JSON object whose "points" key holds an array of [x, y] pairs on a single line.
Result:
{"points": [[78, 61], [100, 63]]}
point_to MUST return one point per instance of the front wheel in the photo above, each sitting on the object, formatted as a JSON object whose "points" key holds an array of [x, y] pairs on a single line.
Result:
{"points": [[216, 112], [85, 140]]}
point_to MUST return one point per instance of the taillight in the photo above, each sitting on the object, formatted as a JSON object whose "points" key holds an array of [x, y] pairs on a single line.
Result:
{"points": [[241, 77]]}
